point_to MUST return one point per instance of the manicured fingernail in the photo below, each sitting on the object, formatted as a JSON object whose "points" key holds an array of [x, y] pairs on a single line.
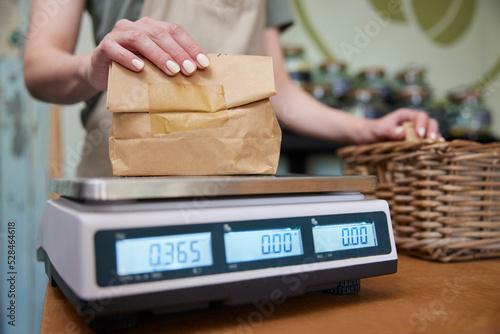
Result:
{"points": [[421, 132], [188, 66], [138, 64], [173, 67], [399, 130], [433, 136], [203, 60]]}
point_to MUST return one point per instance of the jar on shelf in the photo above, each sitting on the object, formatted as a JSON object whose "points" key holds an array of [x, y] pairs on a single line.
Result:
{"points": [[322, 93], [374, 78], [412, 76], [297, 66], [365, 103], [467, 116], [334, 73], [414, 97]]}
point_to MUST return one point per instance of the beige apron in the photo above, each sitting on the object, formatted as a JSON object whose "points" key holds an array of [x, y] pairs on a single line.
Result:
{"points": [[218, 26]]}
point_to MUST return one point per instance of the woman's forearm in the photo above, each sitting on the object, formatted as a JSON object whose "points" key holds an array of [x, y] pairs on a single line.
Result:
{"points": [[55, 76], [51, 71], [300, 112]]}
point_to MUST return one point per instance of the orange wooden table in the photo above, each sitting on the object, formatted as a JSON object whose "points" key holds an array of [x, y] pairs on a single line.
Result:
{"points": [[423, 297]]}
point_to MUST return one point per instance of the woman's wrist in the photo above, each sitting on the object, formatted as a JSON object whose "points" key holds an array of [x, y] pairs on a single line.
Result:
{"points": [[364, 131], [84, 74]]}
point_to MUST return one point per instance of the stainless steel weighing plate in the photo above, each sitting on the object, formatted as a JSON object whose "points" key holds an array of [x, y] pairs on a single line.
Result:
{"points": [[129, 188]]}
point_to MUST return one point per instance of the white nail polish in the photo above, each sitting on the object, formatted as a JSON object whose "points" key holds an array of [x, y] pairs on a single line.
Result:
{"points": [[173, 67], [421, 132], [203, 60], [138, 64], [399, 130], [188, 66], [433, 136]]}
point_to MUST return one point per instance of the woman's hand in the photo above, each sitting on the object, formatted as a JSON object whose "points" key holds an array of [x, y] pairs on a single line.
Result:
{"points": [[390, 126], [165, 44]]}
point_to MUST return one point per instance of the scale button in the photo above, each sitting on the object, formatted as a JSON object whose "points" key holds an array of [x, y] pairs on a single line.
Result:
{"points": [[120, 236]]}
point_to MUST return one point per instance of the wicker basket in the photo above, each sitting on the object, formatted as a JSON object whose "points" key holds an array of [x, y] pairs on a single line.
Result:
{"points": [[444, 196]]}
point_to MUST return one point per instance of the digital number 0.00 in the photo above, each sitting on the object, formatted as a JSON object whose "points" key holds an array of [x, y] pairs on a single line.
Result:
{"points": [[255, 245], [339, 237], [356, 235], [276, 243]]}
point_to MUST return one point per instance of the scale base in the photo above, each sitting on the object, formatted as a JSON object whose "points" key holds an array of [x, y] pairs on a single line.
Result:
{"points": [[346, 288], [113, 324], [123, 322]]}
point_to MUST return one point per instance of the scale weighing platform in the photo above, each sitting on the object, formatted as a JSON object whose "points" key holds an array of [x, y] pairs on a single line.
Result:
{"points": [[120, 246]]}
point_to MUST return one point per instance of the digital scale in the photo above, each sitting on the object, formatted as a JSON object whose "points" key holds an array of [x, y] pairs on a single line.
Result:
{"points": [[119, 246]]}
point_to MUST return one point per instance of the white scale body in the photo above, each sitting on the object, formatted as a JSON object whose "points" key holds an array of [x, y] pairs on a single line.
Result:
{"points": [[139, 244]]}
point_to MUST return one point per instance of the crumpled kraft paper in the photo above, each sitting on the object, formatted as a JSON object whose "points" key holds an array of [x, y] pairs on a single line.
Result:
{"points": [[217, 122], [245, 79], [173, 96]]}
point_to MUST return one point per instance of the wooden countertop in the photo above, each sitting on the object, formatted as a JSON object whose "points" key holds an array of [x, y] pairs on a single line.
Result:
{"points": [[423, 297]]}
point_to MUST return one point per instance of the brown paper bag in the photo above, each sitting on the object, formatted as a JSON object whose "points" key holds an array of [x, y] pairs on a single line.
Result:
{"points": [[217, 122]]}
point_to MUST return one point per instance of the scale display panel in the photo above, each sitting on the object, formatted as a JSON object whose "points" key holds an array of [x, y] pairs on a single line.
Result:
{"points": [[151, 254]]}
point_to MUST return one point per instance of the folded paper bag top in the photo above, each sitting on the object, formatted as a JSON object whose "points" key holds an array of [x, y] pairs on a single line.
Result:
{"points": [[218, 121], [244, 79]]}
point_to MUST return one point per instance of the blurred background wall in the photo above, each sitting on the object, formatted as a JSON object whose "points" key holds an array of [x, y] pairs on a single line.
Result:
{"points": [[24, 174], [455, 43]]}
